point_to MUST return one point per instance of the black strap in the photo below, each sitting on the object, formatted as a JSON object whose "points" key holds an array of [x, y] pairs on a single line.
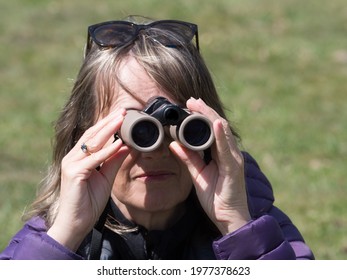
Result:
{"points": [[96, 241]]}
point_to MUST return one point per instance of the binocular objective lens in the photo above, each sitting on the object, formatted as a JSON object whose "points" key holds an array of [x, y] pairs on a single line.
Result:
{"points": [[145, 134], [196, 132]]}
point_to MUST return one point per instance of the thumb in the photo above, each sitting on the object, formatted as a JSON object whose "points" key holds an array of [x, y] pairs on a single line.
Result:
{"points": [[111, 166], [194, 162]]}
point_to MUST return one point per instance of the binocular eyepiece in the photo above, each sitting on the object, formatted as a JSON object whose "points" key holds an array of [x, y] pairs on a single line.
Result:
{"points": [[145, 130]]}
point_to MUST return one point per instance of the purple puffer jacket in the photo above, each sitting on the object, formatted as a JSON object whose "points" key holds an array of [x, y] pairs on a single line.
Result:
{"points": [[270, 234]]}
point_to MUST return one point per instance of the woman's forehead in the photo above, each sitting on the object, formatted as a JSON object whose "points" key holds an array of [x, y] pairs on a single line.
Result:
{"points": [[137, 87]]}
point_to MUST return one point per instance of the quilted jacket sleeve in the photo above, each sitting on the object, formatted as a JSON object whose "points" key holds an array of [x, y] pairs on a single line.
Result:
{"points": [[42, 247], [270, 234]]}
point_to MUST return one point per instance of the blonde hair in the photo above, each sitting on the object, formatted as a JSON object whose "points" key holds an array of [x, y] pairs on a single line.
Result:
{"points": [[179, 71]]}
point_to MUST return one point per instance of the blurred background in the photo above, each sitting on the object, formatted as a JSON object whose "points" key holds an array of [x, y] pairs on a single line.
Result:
{"points": [[280, 67]]}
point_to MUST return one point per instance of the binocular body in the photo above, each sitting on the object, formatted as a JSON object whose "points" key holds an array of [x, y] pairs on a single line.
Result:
{"points": [[145, 130]]}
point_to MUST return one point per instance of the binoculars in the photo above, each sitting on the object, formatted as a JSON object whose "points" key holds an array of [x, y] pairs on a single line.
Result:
{"points": [[145, 130]]}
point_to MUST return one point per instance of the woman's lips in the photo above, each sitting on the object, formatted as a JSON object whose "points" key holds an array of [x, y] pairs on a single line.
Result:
{"points": [[155, 175]]}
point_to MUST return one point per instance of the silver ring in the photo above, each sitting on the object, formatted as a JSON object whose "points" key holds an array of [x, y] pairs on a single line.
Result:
{"points": [[84, 148]]}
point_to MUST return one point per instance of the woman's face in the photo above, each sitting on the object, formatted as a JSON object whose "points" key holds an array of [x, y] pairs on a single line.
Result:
{"points": [[154, 181]]}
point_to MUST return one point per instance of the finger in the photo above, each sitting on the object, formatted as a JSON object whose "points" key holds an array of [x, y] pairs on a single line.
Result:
{"points": [[111, 166], [97, 159], [104, 127], [228, 156], [198, 105], [193, 160], [95, 138]]}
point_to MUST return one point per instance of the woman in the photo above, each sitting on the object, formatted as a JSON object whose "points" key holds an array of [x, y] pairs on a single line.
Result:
{"points": [[104, 199]]}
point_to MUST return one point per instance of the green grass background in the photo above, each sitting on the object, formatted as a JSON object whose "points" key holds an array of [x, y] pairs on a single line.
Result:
{"points": [[280, 67]]}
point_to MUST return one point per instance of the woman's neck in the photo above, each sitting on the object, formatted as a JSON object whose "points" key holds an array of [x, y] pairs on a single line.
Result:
{"points": [[159, 220]]}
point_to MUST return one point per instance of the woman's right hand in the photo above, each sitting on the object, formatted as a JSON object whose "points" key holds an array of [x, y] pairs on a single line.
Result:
{"points": [[84, 190]]}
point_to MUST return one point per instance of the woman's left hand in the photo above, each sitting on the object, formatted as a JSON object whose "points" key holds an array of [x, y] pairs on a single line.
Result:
{"points": [[220, 184]]}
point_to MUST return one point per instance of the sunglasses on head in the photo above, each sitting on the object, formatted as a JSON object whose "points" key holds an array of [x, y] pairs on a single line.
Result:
{"points": [[113, 34]]}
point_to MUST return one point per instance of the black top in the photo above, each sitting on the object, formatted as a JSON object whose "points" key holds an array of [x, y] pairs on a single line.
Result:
{"points": [[190, 238]]}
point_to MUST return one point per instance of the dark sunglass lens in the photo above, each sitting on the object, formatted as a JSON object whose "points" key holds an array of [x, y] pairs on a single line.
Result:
{"points": [[186, 32], [112, 35]]}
